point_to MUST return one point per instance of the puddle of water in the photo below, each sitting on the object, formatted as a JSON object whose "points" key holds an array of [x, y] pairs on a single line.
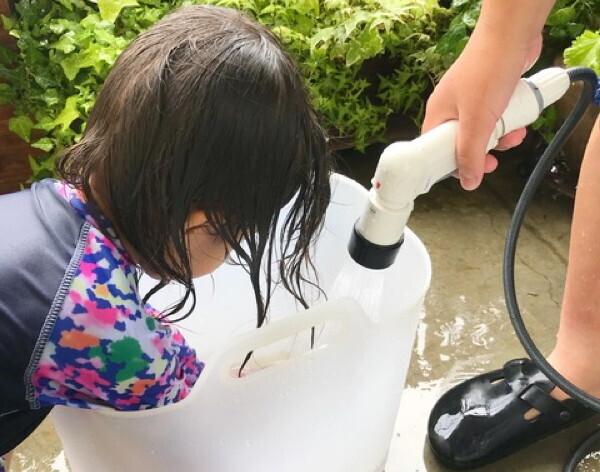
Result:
{"points": [[469, 332], [457, 339], [40, 452], [41, 462], [447, 351], [591, 463]]}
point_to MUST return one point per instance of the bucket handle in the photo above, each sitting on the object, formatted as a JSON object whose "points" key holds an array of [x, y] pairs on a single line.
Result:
{"points": [[346, 311]]}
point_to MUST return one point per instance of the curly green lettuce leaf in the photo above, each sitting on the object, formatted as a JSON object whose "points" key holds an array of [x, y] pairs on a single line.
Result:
{"points": [[22, 126], [585, 51], [110, 9]]}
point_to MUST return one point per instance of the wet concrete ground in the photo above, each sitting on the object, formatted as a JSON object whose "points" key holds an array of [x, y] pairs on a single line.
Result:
{"points": [[465, 329]]}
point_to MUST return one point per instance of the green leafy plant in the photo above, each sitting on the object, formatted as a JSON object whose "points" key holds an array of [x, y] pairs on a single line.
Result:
{"points": [[67, 47], [340, 45], [363, 59], [585, 51], [568, 19], [454, 39]]}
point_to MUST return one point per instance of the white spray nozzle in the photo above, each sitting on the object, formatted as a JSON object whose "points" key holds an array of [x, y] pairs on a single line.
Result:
{"points": [[409, 169]]}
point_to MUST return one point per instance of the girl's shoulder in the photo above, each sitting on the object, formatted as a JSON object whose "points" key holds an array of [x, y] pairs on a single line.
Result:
{"points": [[39, 235], [106, 347], [77, 331]]}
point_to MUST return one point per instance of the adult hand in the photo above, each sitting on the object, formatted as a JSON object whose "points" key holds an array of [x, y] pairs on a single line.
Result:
{"points": [[476, 89]]}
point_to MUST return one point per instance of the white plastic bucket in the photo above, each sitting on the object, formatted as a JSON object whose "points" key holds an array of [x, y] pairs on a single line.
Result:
{"points": [[331, 408]]}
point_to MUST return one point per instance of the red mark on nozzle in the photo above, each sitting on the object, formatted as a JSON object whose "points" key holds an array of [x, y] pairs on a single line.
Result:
{"points": [[377, 184]]}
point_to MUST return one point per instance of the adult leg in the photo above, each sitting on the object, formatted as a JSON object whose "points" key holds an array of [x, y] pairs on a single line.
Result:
{"points": [[490, 416], [577, 347]]}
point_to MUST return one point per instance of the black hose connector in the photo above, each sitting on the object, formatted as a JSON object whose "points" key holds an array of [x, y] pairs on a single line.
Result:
{"points": [[370, 255]]}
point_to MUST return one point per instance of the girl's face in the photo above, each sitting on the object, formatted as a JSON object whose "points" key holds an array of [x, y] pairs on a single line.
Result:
{"points": [[206, 250]]}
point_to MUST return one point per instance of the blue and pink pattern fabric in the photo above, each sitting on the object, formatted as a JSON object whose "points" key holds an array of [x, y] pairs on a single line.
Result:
{"points": [[106, 349]]}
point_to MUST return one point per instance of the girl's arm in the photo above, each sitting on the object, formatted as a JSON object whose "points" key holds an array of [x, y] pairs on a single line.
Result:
{"points": [[136, 362], [505, 43]]}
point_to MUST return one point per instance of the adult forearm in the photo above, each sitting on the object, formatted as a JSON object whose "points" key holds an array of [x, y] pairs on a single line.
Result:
{"points": [[512, 21], [510, 27]]}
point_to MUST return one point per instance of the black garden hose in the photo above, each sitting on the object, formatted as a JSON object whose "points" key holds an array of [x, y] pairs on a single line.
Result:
{"points": [[589, 80]]}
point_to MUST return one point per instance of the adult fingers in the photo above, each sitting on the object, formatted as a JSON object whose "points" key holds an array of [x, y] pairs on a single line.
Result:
{"points": [[474, 131], [490, 164], [511, 140]]}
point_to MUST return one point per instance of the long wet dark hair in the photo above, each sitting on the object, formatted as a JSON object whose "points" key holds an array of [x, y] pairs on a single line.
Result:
{"points": [[207, 111]]}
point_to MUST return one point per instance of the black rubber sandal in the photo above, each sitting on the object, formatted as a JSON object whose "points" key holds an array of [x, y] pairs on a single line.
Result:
{"points": [[482, 420]]}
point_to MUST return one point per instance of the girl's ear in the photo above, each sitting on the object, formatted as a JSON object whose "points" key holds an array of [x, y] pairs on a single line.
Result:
{"points": [[195, 218]]}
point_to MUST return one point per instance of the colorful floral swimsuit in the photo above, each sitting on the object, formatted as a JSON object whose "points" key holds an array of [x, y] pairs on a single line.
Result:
{"points": [[73, 328]]}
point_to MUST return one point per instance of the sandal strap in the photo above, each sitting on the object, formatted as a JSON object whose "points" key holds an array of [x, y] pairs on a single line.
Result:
{"points": [[521, 373], [545, 404]]}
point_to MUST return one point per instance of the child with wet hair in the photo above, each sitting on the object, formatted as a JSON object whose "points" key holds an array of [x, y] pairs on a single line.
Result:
{"points": [[202, 132]]}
